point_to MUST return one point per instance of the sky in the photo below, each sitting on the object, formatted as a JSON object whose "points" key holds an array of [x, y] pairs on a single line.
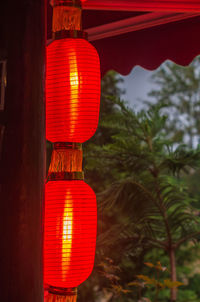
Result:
{"points": [[137, 85]]}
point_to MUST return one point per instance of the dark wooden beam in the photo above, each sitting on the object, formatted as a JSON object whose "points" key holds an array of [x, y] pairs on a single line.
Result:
{"points": [[22, 168]]}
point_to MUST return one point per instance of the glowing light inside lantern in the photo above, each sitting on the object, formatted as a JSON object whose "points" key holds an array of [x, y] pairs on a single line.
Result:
{"points": [[67, 234], [74, 88]]}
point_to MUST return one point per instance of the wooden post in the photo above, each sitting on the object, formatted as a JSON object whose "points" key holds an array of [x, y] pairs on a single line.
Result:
{"points": [[22, 162]]}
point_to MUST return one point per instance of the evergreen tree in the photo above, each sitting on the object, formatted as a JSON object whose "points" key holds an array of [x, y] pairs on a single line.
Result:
{"points": [[151, 201], [109, 90], [178, 93]]}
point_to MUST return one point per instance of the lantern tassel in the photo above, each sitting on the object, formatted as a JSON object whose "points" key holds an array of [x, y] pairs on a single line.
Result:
{"points": [[59, 298], [66, 157], [54, 297]]}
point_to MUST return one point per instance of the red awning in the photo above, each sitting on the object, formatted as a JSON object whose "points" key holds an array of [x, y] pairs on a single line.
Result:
{"points": [[144, 5], [141, 32]]}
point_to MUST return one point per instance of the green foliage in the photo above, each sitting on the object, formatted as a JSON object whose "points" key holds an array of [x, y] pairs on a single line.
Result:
{"points": [[158, 284], [146, 203], [149, 168], [101, 176], [188, 296]]}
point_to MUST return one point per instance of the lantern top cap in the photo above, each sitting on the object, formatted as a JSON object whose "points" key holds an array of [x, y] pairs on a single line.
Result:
{"points": [[62, 34], [74, 3], [58, 176]]}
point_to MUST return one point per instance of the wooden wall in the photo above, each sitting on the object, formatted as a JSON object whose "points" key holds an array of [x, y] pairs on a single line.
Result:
{"points": [[22, 168]]}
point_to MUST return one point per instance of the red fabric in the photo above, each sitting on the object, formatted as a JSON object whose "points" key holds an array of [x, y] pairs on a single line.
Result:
{"points": [[178, 41], [72, 90], [146, 5], [69, 233]]}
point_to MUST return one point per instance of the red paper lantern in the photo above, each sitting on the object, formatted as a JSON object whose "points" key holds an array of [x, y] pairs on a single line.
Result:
{"points": [[69, 233], [72, 90]]}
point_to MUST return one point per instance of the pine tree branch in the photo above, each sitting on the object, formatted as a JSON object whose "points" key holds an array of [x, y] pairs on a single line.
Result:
{"points": [[160, 203], [157, 243], [186, 238]]}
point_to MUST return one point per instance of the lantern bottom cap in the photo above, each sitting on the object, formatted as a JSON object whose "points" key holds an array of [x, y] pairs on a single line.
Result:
{"points": [[62, 291]]}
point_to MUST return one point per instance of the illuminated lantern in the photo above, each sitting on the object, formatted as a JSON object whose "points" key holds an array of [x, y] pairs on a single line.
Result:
{"points": [[72, 111], [70, 233], [70, 224], [72, 90]]}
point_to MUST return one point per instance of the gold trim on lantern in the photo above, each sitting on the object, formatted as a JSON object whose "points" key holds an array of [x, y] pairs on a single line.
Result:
{"points": [[75, 3], [57, 294], [65, 176], [62, 291], [67, 145], [75, 34]]}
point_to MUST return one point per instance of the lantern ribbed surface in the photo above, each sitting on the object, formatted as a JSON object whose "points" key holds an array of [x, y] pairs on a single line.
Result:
{"points": [[72, 90], [69, 233]]}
